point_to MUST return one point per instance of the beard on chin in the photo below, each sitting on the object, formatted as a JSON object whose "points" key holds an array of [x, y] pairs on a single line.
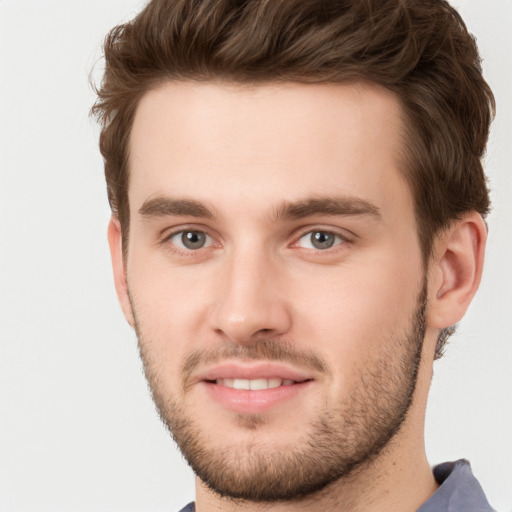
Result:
{"points": [[335, 444]]}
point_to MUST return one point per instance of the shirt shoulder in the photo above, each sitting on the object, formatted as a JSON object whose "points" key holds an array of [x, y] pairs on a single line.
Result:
{"points": [[459, 490]]}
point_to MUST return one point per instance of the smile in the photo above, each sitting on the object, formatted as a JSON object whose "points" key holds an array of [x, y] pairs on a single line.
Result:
{"points": [[253, 387], [254, 384]]}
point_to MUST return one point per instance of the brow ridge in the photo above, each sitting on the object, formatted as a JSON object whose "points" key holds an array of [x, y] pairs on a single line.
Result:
{"points": [[162, 206], [169, 206], [330, 206]]}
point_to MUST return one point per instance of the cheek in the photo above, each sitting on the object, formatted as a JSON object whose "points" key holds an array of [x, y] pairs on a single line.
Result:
{"points": [[165, 292], [355, 309], [168, 306]]}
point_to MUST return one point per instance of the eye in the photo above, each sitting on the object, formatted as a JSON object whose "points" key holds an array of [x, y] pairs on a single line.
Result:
{"points": [[320, 240], [190, 240]]}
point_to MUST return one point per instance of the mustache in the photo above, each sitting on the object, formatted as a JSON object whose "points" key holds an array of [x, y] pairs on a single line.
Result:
{"points": [[267, 349]]}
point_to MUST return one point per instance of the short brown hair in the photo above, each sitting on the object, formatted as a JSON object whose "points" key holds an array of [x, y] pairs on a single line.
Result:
{"points": [[419, 49]]}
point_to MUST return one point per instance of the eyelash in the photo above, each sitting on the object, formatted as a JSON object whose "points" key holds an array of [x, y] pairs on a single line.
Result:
{"points": [[182, 251], [340, 240]]}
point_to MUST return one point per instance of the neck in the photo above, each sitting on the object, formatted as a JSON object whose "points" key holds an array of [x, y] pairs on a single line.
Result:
{"points": [[393, 481]]}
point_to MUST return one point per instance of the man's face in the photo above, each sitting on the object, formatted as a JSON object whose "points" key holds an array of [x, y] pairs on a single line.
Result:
{"points": [[273, 246]]}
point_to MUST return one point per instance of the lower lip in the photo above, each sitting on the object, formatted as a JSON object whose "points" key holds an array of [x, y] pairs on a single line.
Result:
{"points": [[254, 402]]}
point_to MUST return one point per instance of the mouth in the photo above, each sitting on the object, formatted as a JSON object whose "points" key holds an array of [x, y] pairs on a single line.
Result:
{"points": [[255, 384], [254, 389]]}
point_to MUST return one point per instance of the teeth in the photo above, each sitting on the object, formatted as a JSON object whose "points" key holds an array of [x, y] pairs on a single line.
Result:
{"points": [[274, 383], [254, 384], [257, 384], [242, 384]]}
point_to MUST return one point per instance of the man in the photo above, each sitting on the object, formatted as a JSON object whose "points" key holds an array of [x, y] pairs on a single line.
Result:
{"points": [[298, 222]]}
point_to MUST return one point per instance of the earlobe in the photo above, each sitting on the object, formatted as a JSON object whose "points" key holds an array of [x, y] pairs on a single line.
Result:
{"points": [[456, 270], [115, 242]]}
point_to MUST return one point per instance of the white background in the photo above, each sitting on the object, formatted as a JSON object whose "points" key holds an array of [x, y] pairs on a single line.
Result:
{"points": [[78, 431]]}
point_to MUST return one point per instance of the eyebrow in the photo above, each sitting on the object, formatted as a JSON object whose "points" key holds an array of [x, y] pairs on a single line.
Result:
{"points": [[330, 206], [169, 207]]}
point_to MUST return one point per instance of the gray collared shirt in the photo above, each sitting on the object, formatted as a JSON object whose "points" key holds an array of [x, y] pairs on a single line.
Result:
{"points": [[459, 491]]}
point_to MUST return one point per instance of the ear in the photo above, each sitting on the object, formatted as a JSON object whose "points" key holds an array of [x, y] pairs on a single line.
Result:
{"points": [[115, 242], [456, 270]]}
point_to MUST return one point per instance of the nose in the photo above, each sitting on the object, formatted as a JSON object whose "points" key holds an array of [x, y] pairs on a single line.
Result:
{"points": [[250, 299]]}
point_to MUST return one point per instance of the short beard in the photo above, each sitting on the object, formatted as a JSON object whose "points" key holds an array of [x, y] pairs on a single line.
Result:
{"points": [[338, 443]]}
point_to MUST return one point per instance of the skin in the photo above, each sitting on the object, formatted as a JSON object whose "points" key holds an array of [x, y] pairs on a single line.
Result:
{"points": [[243, 153]]}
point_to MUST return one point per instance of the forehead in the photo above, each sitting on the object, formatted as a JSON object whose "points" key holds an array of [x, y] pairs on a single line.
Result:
{"points": [[266, 143]]}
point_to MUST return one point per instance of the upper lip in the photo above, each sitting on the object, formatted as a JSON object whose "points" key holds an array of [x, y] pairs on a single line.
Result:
{"points": [[253, 370]]}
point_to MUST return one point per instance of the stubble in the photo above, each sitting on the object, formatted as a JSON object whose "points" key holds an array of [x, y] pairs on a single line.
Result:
{"points": [[338, 442]]}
